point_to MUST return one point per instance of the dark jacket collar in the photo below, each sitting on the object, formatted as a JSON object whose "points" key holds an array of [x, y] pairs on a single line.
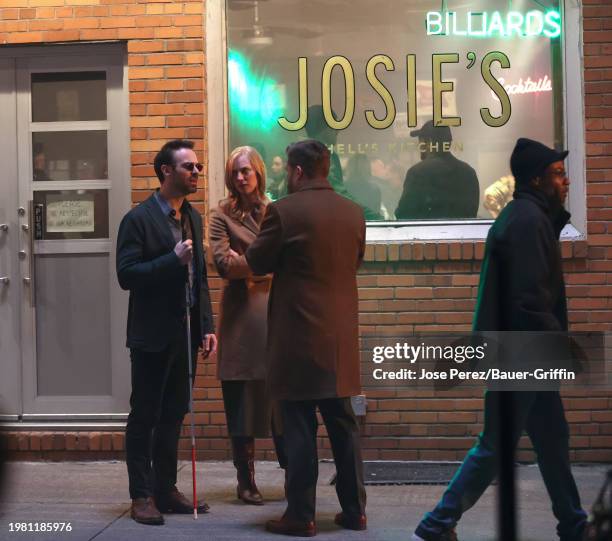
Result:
{"points": [[161, 220], [558, 216], [316, 184], [161, 200]]}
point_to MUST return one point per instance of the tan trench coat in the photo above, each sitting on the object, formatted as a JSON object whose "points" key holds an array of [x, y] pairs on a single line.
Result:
{"points": [[313, 241], [243, 316]]}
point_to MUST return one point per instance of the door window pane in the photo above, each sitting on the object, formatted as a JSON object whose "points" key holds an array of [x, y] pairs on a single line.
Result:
{"points": [[69, 96], [69, 155], [368, 78], [70, 214]]}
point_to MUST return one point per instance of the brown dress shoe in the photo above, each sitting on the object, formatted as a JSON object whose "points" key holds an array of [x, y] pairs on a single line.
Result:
{"points": [[145, 512], [176, 502], [297, 528], [350, 522]]}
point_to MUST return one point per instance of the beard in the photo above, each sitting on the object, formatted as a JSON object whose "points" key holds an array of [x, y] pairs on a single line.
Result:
{"points": [[186, 188]]}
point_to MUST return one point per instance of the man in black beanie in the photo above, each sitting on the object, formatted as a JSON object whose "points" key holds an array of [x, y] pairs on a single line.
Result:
{"points": [[521, 289]]}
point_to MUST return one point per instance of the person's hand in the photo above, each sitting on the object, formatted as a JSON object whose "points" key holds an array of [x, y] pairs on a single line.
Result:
{"points": [[184, 251], [231, 257], [209, 345]]}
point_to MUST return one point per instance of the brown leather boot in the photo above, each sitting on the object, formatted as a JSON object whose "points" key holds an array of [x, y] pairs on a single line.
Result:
{"points": [[244, 461], [145, 512]]}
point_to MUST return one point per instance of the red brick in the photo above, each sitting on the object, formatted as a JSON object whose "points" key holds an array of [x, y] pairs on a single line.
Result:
{"points": [[184, 45], [9, 14], [95, 441], [46, 441], [413, 292], [184, 72], [23, 441], [198, 97], [165, 59], [27, 13], [107, 442], [24, 37], [46, 24], [71, 442]]}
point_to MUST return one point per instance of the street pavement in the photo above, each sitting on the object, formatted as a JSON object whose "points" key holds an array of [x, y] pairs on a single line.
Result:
{"points": [[93, 498]]}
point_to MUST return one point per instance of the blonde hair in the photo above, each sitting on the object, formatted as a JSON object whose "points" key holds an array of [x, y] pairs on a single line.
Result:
{"points": [[498, 195], [233, 205]]}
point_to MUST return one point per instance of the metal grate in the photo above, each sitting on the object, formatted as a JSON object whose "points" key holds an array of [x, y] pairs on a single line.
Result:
{"points": [[408, 473]]}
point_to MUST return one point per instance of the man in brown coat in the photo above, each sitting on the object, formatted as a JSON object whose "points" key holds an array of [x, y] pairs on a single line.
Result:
{"points": [[313, 241]]}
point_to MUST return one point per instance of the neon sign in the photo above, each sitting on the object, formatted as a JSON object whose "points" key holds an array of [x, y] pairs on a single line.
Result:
{"points": [[525, 86], [480, 24]]}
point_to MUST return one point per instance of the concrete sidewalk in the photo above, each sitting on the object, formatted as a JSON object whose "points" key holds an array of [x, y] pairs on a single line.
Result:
{"points": [[93, 497]]}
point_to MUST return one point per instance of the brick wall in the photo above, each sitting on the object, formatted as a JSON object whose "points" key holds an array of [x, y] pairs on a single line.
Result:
{"points": [[437, 292], [165, 46], [403, 288]]}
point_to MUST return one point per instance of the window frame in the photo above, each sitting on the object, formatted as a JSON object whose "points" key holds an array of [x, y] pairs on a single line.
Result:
{"points": [[398, 231]]}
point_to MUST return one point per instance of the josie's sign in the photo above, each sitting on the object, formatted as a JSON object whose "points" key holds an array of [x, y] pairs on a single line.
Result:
{"points": [[510, 25], [439, 87]]}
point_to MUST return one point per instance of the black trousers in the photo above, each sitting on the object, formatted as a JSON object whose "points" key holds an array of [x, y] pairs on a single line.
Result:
{"points": [[159, 402], [300, 432]]}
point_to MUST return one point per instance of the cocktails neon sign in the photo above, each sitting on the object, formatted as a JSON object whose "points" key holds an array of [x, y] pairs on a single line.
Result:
{"points": [[481, 24]]}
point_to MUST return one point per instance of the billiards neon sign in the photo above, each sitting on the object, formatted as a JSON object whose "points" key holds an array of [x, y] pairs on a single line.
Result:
{"points": [[482, 24]]}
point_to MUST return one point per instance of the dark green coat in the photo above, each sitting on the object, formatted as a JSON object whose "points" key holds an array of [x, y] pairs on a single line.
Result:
{"points": [[521, 281]]}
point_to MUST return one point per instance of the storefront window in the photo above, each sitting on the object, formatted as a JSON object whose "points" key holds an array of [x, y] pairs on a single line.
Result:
{"points": [[420, 101]]}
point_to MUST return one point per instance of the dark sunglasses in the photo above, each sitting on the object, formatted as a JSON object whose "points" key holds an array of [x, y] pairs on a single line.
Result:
{"points": [[188, 166]]}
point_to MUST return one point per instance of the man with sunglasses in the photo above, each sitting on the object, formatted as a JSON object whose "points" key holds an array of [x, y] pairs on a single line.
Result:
{"points": [[159, 248]]}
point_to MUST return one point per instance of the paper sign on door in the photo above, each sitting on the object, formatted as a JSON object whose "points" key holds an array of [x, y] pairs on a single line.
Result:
{"points": [[72, 213]]}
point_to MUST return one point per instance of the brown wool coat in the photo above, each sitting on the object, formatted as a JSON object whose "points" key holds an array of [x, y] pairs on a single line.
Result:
{"points": [[313, 241], [243, 314]]}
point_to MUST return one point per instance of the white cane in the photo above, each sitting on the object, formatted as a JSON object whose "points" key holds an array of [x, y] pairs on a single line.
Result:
{"points": [[190, 371]]}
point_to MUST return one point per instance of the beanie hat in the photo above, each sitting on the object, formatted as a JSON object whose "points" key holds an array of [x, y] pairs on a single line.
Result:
{"points": [[530, 158]]}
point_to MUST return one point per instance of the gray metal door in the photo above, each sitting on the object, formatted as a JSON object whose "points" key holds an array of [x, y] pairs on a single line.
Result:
{"points": [[71, 188]]}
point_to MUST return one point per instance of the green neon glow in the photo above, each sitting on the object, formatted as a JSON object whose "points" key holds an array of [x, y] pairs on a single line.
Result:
{"points": [[494, 24], [553, 19], [254, 99], [471, 31]]}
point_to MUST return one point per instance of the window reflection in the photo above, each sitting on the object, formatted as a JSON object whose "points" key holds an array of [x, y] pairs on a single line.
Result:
{"points": [[394, 169], [69, 96], [77, 155]]}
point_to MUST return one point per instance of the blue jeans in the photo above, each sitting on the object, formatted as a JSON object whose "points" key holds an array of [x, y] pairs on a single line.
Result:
{"points": [[541, 415]]}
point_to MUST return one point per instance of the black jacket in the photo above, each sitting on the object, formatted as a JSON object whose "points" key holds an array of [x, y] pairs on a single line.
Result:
{"points": [[521, 281], [148, 267], [438, 187]]}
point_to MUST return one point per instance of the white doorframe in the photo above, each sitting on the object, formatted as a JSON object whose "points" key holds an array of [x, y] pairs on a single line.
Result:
{"points": [[10, 286]]}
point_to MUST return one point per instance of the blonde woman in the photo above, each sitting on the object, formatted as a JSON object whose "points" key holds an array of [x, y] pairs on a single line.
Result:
{"points": [[234, 224]]}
